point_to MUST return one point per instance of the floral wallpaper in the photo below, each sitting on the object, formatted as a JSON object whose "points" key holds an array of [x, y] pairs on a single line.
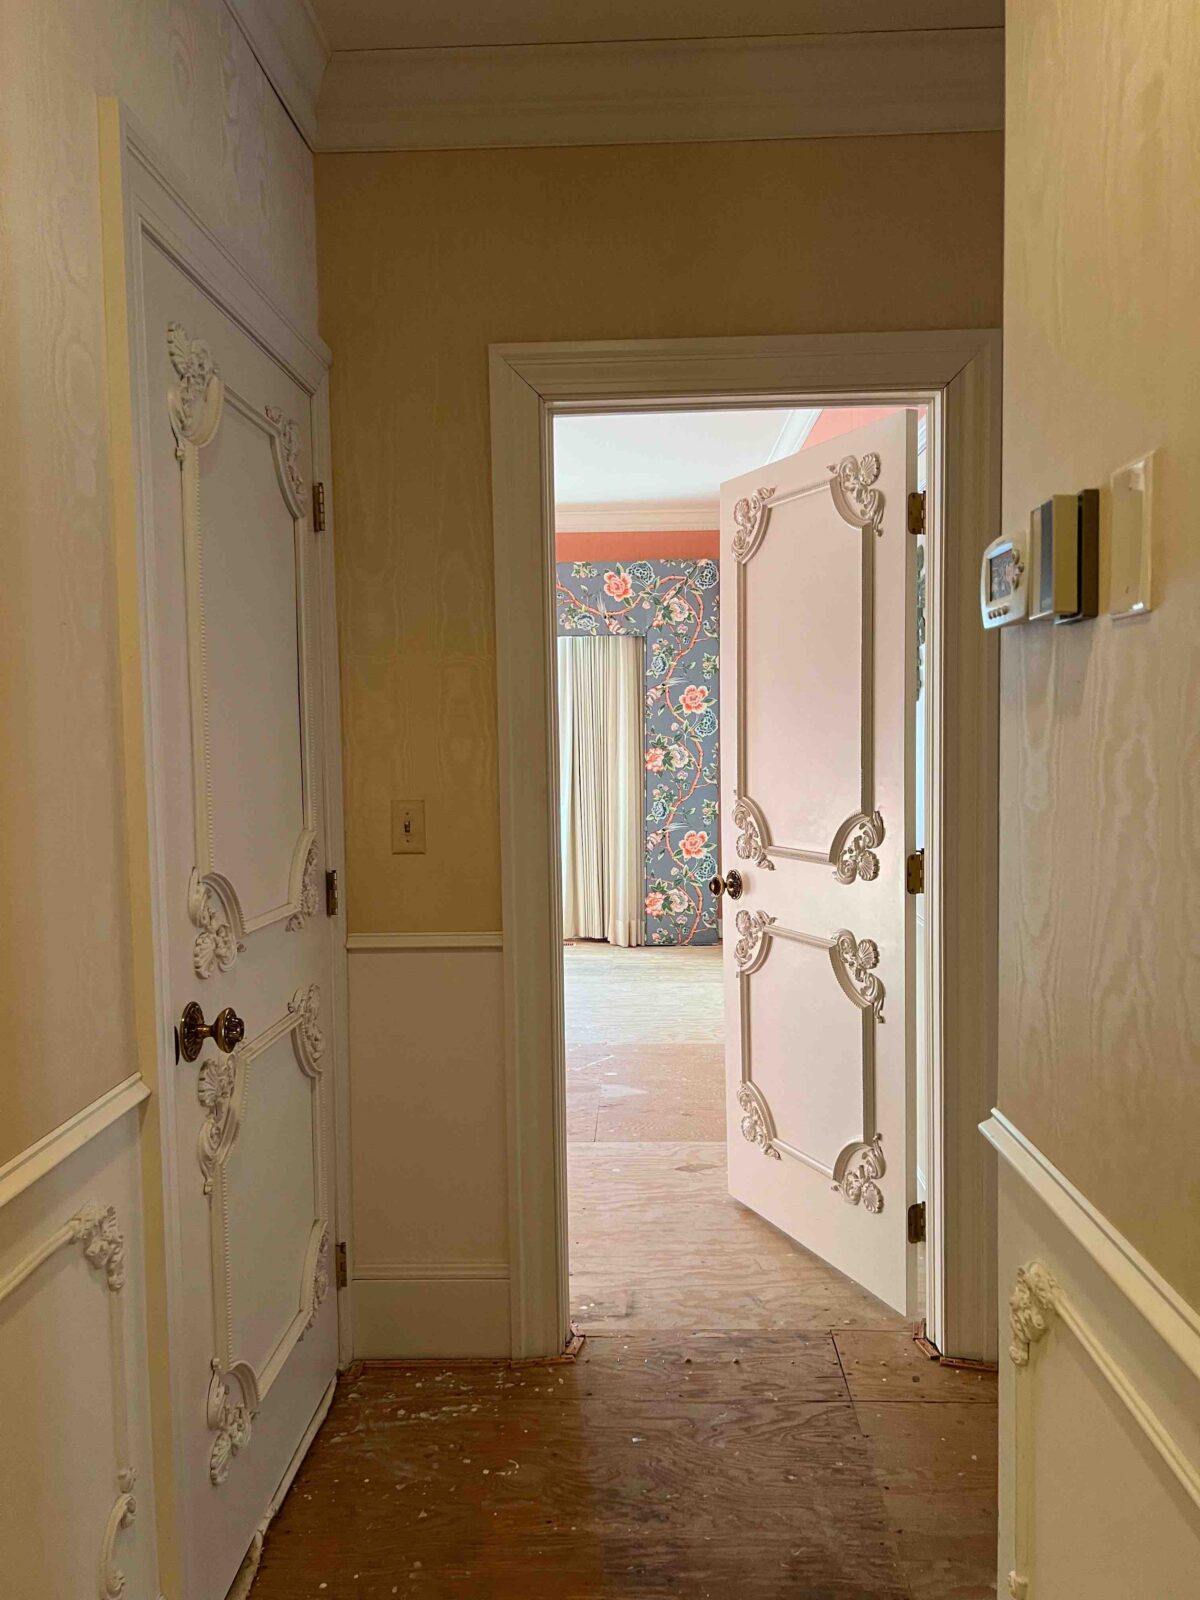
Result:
{"points": [[674, 605]]}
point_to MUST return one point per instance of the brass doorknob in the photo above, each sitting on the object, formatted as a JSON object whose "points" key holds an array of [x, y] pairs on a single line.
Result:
{"points": [[731, 884], [226, 1030]]}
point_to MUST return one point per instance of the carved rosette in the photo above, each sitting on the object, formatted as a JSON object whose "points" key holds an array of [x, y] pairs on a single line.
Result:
{"points": [[750, 951], [95, 1227], [216, 943], [854, 963], [854, 494], [857, 1176], [857, 841], [194, 403], [305, 1005], [758, 1126], [215, 1087], [1030, 1307], [230, 1421], [750, 517], [309, 898], [124, 1509], [320, 1282], [753, 833], [289, 450]]}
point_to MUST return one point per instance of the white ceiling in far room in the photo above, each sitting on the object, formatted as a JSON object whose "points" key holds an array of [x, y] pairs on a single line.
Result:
{"points": [[669, 461]]}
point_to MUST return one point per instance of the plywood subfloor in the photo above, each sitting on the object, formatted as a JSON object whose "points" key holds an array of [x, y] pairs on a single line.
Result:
{"points": [[744, 1423]]}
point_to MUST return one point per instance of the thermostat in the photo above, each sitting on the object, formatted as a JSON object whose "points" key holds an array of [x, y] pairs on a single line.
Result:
{"points": [[1003, 590]]}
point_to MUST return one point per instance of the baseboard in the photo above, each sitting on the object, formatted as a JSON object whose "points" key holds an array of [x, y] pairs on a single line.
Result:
{"points": [[431, 1309]]}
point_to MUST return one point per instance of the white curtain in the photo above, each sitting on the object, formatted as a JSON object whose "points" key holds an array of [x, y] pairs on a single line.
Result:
{"points": [[600, 786]]}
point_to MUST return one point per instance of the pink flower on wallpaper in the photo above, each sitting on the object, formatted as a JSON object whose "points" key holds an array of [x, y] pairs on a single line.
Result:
{"points": [[654, 759], [653, 840], [617, 585], [693, 698], [677, 901], [679, 609], [654, 904], [694, 843], [681, 755]]}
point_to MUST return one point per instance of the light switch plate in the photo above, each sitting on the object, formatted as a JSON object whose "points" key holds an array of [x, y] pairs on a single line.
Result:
{"points": [[408, 827], [1130, 538]]}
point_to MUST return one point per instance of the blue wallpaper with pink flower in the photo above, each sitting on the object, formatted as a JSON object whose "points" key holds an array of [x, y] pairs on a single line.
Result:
{"points": [[674, 605]]}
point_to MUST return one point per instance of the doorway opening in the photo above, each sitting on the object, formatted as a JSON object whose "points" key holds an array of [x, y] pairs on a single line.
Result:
{"points": [[656, 852]]}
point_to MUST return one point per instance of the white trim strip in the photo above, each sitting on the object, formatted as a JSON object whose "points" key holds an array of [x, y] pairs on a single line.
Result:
{"points": [[1175, 1322], [431, 1271], [49, 1152], [615, 516], [424, 941]]}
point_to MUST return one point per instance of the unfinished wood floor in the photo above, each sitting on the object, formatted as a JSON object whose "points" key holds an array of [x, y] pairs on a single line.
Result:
{"points": [[742, 1422]]}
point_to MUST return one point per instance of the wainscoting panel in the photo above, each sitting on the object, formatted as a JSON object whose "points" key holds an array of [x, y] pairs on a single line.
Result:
{"points": [[77, 1511], [430, 1249], [1099, 1400]]}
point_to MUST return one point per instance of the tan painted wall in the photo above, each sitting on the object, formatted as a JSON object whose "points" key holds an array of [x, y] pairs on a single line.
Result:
{"points": [[428, 258], [188, 76], [1100, 867]]}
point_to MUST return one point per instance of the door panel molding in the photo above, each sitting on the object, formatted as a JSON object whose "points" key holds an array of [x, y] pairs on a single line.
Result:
{"points": [[196, 405], [222, 1088], [852, 487], [957, 373]]}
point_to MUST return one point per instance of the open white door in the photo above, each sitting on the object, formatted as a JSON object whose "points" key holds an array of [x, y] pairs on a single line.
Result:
{"points": [[818, 665], [233, 651]]}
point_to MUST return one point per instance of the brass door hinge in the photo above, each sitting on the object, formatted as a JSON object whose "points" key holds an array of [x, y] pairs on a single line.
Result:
{"points": [[916, 1223], [914, 872], [331, 894], [343, 1277], [916, 511], [318, 507]]}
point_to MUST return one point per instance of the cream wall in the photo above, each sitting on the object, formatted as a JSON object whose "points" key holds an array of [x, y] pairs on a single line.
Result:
{"points": [[185, 71], [1100, 859], [426, 259]]}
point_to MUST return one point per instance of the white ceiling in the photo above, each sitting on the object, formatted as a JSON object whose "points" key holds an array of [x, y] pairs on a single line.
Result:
{"points": [[645, 459], [415, 24]]}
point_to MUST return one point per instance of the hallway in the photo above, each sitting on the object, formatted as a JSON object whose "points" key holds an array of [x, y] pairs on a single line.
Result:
{"points": [[741, 1420]]}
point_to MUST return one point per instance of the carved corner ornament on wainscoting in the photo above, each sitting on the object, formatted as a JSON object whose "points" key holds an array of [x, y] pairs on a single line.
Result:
{"points": [[852, 488], [750, 951], [287, 459], [96, 1229], [758, 1126], [853, 963]]}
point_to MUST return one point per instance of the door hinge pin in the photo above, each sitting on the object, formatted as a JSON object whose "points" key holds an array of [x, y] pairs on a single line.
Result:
{"points": [[916, 511], [318, 507], [331, 894], [914, 872], [343, 1276], [916, 1223]]}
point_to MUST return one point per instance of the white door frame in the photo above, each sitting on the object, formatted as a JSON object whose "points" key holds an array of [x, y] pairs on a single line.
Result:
{"points": [[144, 195], [957, 374]]}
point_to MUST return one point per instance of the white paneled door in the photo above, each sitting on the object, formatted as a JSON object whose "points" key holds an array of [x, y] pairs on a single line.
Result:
{"points": [[818, 679], [233, 643]]}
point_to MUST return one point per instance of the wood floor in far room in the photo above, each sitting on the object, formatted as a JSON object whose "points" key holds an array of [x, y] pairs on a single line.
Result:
{"points": [[743, 1423]]}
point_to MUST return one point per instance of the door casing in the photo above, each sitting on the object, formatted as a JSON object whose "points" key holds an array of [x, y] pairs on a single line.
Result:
{"points": [[957, 375], [143, 195]]}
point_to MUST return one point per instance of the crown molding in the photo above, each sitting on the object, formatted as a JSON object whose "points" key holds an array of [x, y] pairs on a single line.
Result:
{"points": [[658, 91], [289, 45], [667, 516]]}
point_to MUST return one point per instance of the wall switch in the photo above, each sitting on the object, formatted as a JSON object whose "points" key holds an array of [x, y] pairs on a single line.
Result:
{"points": [[408, 827], [1129, 538]]}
